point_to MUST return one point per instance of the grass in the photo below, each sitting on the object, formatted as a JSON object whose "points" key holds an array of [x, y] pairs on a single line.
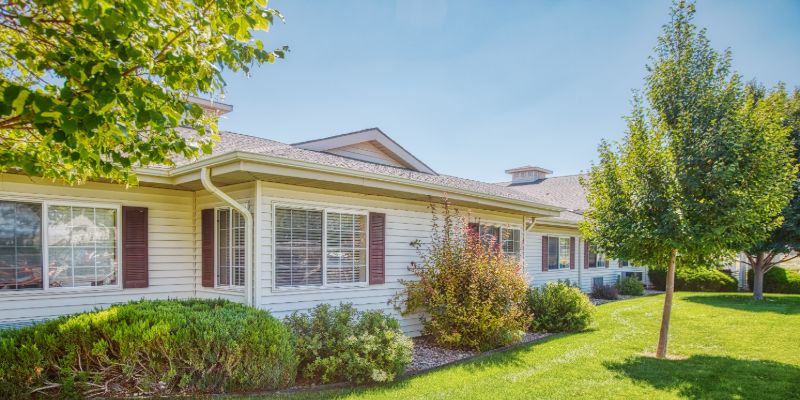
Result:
{"points": [[728, 347]]}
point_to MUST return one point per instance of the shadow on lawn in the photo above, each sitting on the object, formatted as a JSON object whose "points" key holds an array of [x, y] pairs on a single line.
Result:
{"points": [[711, 377], [775, 304]]}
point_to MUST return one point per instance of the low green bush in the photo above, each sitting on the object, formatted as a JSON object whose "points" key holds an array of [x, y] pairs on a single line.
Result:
{"points": [[341, 344], [699, 279], [605, 292], [778, 280], [630, 286], [158, 347], [559, 307]]}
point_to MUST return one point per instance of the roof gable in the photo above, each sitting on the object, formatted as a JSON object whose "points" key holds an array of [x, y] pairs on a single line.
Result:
{"points": [[370, 145]]}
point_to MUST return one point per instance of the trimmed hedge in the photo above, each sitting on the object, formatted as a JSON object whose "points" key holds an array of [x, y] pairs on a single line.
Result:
{"points": [[778, 280], [159, 347], [559, 307], [694, 280], [338, 344]]}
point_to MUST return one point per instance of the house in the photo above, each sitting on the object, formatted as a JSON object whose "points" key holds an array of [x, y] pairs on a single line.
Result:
{"points": [[278, 226]]}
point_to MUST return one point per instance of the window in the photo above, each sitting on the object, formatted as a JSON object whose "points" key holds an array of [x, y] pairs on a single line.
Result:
{"points": [[81, 246], [557, 253], [298, 247], [597, 281], [20, 245], [507, 238], [303, 236], [596, 260], [230, 247], [624, 263], [346, 248], [511, 242], [78, 244]]}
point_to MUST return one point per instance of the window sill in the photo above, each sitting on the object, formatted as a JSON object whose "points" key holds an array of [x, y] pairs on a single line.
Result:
{"points": [[229, 290], [59, 292], [313, 289]]}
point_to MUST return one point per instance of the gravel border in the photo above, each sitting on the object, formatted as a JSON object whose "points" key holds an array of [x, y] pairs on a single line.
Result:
{"points": [[429, 356]]}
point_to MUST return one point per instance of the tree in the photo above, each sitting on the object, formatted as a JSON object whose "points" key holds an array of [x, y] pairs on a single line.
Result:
{"points": [[702, 171], [94, 89], [783, 243]]}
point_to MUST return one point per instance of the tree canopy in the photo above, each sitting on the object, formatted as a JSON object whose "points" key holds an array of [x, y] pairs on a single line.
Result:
{"points": [[704, 169], [706, 164], [94, 89], [784, 240]]}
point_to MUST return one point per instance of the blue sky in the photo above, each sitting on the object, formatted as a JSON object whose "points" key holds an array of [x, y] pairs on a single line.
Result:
{"points": [[476, 87]]}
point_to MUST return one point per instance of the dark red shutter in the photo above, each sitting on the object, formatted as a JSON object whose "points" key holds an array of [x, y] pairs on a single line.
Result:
{"points": [[473, 227], [207, 246], [585, 254], [544, 253], [572, 253], [135, 255], [377, 248]]}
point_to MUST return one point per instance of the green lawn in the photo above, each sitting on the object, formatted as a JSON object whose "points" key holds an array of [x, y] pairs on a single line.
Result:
{"points": [[729, 348]]}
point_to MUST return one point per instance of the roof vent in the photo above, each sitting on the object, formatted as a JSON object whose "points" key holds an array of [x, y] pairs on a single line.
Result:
{"points": [[527, 174]]}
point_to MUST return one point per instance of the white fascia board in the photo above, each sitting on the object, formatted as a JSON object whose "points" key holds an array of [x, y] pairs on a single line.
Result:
{"points": [[251, 162]]}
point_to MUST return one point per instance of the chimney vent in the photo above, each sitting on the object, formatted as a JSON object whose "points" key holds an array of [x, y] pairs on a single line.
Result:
{"points": [[527, 174]]}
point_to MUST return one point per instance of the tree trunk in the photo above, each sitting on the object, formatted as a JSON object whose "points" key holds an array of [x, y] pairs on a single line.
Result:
{"points": [[758, 277], [661, 352]]}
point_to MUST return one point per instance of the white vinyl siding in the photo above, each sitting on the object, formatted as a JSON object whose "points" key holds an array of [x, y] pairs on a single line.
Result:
{"points": [[171, 254]]}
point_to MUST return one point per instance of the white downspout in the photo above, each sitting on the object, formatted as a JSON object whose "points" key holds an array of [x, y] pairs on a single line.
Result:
{"points": [[205, 179]]}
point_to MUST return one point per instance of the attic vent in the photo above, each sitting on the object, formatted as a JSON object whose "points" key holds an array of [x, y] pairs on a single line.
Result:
{"points": [[527, 174]]}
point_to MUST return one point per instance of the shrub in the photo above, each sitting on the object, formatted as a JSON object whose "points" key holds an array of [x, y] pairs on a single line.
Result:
{"points": [[149, 347], [605, 292], [630, 286], [341, 344], [778, 280], [698, 279], [559, 307], [472, 292]]}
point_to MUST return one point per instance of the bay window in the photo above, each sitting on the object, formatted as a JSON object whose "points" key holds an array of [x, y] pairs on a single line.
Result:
{"points": [[318, 247]]}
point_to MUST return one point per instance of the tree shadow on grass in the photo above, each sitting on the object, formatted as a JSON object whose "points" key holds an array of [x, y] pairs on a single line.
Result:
{"points": [[711, 377], [775, 304]]}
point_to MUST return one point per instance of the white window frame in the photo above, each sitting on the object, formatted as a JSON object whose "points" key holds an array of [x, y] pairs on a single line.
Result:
{"points": [[559, 237], [504, 227], [324, 210], [46, 203], [597, 257], [231, 286]]}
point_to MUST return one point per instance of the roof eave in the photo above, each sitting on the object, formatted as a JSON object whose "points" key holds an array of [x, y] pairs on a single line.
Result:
{"points": [[243, 160]]}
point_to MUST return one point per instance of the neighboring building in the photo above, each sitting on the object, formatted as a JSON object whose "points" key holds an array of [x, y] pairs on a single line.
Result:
{"points": [[278, 226]]}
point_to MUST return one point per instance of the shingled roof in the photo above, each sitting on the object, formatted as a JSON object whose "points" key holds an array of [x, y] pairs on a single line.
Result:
{"points": [[565, 191], [236, 142]]}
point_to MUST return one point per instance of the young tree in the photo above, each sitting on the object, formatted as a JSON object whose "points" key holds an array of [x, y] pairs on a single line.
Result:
{"points": [[93, 89], [783, 243], [702, 171]]}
